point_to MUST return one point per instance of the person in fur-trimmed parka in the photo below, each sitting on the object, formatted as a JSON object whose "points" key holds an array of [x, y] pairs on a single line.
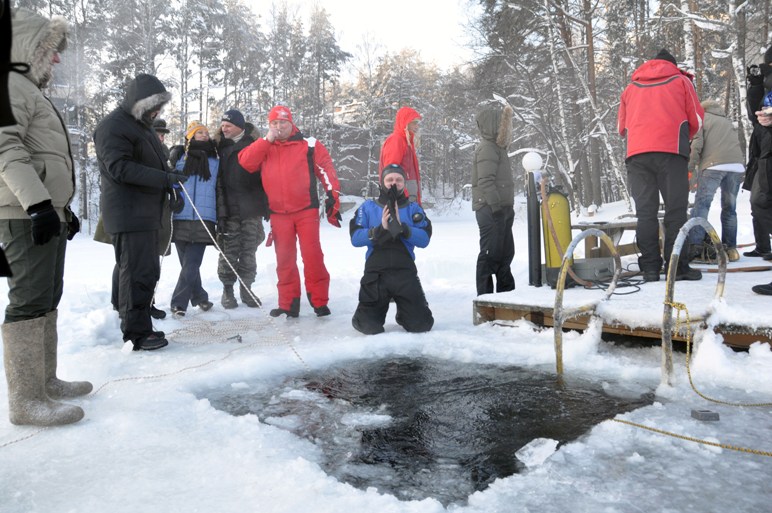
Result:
{"points": [[37, 183], [493, 199], [136, 180]]}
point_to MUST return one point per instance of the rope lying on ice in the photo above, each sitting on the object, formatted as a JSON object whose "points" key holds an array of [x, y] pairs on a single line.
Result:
{"points": [[687, 325], [692, 439]]}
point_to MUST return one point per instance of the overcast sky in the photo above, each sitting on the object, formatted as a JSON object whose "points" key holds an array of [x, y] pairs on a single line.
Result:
{"points": [[435, 28]]}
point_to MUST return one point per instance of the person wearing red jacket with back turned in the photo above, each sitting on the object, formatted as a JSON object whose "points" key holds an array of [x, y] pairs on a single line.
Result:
{"points": [[290, 165], [400, 148], [659, 113]]}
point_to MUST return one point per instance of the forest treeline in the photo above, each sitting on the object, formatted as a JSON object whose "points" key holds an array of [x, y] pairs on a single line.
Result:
{"points": [[560, 64]]}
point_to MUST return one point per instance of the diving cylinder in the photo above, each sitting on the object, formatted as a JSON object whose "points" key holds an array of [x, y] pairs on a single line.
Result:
{"points": [[555, 207]]}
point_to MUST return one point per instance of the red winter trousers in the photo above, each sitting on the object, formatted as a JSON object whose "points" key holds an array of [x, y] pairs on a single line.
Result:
{"points": [[287, 230]]}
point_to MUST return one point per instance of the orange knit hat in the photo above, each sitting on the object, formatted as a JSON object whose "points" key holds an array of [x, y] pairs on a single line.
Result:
{"points": [[193, 127]]}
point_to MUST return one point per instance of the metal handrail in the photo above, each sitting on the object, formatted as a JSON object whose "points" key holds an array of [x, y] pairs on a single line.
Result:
{"points": [[559, 314], [667, 314]]}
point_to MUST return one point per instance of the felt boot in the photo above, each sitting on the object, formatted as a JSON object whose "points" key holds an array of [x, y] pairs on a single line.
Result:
{"points": [[55, 387], [24, 359]]}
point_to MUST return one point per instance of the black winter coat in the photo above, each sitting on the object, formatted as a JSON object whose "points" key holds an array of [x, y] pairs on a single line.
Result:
{"points": [[759, 157], [240, 194], [132, 164]]}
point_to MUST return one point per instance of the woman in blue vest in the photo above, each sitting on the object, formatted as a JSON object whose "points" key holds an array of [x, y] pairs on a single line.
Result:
{"points": [[194, 228]]}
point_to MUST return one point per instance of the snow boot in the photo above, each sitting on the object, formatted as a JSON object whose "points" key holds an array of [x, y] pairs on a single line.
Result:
{"points": [[248, 297], [228, 298], [293, 311], [320, 311], [25, 368], [55, 387]]}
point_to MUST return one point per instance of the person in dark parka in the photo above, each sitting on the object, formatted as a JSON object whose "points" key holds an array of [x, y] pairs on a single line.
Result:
{"points": [[135, 183], [760, 167], [493, 199], [241, 206], [759, 83]]}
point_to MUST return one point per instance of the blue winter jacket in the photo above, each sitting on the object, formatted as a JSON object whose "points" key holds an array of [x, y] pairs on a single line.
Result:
{"points": [[203, 193], [366, 229]]}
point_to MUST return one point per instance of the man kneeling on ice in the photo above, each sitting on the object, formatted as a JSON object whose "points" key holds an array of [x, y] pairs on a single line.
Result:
{"points": [[390, 227]]}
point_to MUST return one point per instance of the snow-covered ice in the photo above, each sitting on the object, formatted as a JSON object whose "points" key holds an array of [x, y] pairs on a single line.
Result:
{"points": [[149, 444]]}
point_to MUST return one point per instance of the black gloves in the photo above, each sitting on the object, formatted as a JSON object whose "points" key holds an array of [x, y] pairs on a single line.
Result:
{"points": [[73, 226], [754, 75], [173, 178], [332, 209], [176, 201], [221, 225], [45, 222]]}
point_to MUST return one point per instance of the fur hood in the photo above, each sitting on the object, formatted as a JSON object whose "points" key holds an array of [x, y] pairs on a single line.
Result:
{"points": [[714, 108], [145, 94], [35, 40], [495, 124]]}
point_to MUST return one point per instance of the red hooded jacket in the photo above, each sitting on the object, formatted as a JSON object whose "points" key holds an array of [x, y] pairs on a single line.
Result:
{"points": [[659, 111], [399, 148], [288, 179]]}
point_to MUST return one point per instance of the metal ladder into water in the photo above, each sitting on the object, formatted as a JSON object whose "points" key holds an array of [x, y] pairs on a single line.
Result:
{"points": [[562, 314]]}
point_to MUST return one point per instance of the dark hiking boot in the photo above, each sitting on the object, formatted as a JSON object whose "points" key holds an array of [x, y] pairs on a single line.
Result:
{"points": [[756, 253], [228, 298], [764, 290], [688, 274], [322, 311], [293, 311], [277, 312], [178, 312], [156, 313], [150, 343], [650, 276], [248, 297], [205, 305]]}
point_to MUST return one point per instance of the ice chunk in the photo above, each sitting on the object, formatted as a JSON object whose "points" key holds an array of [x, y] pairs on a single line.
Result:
{"points": [[536, 451]]}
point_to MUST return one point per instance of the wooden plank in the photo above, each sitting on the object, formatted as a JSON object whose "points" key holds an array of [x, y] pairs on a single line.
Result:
{"points": [[734, 335]]}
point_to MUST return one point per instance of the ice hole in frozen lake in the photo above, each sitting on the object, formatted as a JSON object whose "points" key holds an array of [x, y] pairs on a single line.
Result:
{"points": [[422, 427]]}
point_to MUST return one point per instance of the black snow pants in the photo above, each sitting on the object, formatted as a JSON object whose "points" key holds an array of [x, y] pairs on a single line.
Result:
{"points": [[138, 272], [376, 291], [497, 249]]}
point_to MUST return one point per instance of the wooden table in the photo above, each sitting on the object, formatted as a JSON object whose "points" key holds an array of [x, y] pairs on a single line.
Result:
{"points": [[594, 248]]}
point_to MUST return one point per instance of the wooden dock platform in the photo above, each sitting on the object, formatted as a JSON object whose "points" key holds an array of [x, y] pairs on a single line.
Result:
{"points": [[734, 335]]}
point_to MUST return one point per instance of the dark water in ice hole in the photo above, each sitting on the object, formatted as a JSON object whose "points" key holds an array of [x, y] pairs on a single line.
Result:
{"points": [[420, 427]]}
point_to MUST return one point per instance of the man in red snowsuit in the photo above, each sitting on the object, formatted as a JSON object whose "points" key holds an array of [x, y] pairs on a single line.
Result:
{"points": [[290, 165], [659, 113], [399, 148]]}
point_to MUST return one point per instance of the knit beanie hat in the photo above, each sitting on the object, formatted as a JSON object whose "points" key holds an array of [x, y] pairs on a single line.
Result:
{"points": [[234, 117], [193, 127], [392, 168], [280, 112], [666, 56]]}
